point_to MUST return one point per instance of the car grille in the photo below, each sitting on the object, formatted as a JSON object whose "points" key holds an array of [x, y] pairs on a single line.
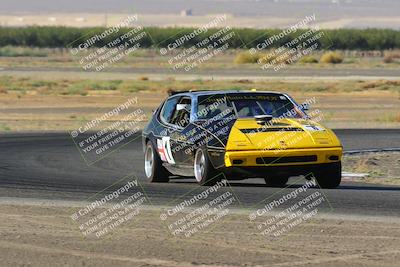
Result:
{"points": [[291, 159]]}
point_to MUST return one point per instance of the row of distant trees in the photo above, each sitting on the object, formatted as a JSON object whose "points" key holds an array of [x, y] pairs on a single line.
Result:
{"points": [[346, 39]]}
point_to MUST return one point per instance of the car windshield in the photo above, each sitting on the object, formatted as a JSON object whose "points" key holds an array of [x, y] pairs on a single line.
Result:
{"points": [[247, 105]]}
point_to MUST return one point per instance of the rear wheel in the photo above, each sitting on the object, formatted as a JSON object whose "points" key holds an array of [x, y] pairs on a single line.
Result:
{"points": [[204, 172], [276, 181], [329, 176], [153, 168]]}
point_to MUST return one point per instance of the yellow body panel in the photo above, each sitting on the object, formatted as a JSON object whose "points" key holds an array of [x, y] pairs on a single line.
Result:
{"points": [[249, 157], [248, 140]]}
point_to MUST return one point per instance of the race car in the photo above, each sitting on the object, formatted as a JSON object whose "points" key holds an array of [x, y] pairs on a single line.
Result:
{"points": [[214, 135]]}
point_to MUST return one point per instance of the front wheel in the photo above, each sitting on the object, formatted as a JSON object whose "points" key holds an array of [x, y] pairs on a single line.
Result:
{"points": [[153, 168], [204, 172], [329, 176]]}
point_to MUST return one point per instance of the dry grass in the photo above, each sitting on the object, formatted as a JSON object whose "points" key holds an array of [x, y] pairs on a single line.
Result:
{"points": [[262, 58], [143, 78], [150, 58], [16, 51], [391, 56], [381, 85], [389, 118], [331, 58], [308, 60], [246, 58], [381, 167], [345, 104], [29, 86]]}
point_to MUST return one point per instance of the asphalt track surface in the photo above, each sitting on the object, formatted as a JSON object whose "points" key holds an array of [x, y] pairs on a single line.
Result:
{"points": [[49, 166]]}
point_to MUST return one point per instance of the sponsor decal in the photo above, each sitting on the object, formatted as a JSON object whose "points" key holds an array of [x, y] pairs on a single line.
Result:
{"points": [[313, 128], [164, 150]]}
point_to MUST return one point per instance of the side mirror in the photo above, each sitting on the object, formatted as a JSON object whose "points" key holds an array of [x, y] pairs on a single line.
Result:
{"points": [[182, 107]]}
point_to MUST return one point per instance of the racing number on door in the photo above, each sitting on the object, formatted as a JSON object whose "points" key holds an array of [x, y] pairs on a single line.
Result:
{"points": [[164, 149]]}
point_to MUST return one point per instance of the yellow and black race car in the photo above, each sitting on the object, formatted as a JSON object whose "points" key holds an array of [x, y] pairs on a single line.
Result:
{"points": [[242, 134]]}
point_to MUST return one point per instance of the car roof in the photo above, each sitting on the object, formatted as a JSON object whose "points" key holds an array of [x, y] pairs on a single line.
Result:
{"points": [[215, 92]]}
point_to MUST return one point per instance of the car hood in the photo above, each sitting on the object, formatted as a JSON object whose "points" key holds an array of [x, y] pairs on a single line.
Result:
{"points": [[248, 134]]}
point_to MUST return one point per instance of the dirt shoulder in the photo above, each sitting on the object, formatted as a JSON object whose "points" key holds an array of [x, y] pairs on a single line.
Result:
{"points": [[44, 235], [375, 168], [35, 111]]}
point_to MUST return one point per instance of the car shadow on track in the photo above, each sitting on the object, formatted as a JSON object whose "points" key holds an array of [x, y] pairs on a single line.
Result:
{"points": [[343, 186], [372, 187]]}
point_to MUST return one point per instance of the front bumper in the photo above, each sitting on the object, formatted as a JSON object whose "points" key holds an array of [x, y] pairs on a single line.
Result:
{"points": [[287, 157], [238, 173]]}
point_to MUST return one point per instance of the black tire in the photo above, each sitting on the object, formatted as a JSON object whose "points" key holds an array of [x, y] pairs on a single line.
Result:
{"points": [[329, 176], [155, 172], [204, 171], [276, 181]]}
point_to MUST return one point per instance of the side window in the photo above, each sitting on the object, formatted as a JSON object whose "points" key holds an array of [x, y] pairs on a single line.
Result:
{"points": [[181, 117], [168, 109]]}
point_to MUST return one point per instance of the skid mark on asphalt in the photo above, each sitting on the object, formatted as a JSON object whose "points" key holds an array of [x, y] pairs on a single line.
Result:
{"points": [[5, 167]]}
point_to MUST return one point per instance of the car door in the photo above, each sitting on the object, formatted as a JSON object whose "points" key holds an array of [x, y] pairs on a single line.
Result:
{"points": [[182, 134], [164, 130], [172, 140]]}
